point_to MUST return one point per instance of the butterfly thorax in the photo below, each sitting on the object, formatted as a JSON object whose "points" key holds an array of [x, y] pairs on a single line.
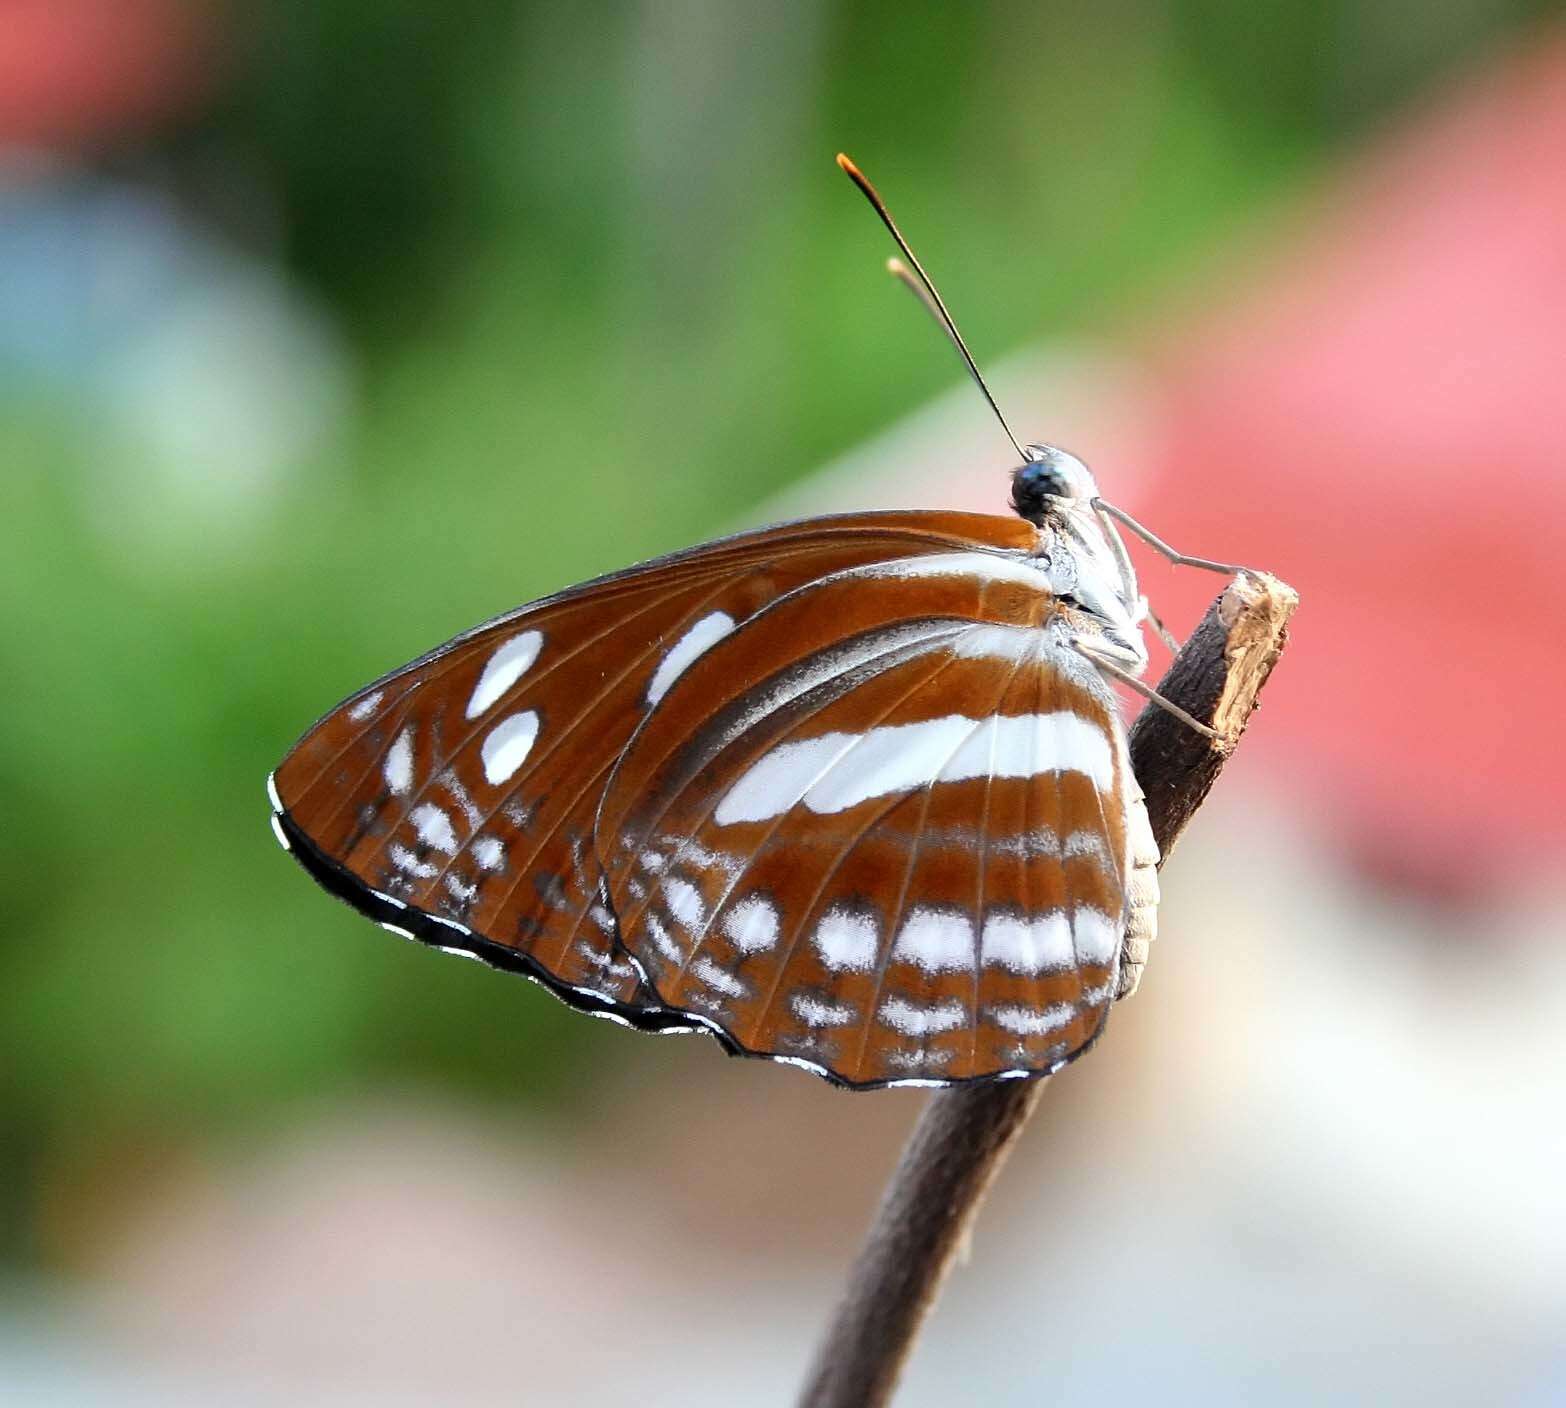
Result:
{"points": [[1087, 565]]}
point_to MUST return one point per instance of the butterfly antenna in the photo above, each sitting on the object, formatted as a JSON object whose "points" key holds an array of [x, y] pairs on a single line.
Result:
{"points": [[919, 283]]}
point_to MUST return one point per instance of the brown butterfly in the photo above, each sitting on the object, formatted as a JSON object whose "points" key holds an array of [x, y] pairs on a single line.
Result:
{"points": [[850, 793]]}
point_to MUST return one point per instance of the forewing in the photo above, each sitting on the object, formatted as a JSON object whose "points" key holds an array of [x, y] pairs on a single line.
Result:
{"points": [[881, 831], [454, 799]]}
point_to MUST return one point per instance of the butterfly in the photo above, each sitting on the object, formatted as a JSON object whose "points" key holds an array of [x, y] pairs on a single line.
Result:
{"points": [[850, 793]]}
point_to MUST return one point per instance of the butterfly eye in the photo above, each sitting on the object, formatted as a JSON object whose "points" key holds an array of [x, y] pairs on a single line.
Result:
{"points": [[1048, 478], [1038, 482]]}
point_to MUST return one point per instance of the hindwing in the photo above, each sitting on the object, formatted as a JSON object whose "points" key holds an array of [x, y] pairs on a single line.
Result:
{"points": [[885, 829]]}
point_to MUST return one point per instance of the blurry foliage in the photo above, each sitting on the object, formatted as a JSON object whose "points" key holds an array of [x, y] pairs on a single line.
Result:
{"points": [[603, 288]]}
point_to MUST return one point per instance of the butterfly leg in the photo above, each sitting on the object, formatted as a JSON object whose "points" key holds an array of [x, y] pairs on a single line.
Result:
{"points": [[1100, 661], [1179, 559], [1145, 612], [1129, 589]]}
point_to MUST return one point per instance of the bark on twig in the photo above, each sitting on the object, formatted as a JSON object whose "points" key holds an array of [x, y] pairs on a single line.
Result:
{"points": [[964, 1134]]}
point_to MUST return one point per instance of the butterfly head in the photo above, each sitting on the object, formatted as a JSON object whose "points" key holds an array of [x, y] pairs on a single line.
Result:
{"points": [[1050, 484]]}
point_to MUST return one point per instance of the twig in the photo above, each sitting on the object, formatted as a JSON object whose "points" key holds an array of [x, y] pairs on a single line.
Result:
{"points": [[964, 1134]]}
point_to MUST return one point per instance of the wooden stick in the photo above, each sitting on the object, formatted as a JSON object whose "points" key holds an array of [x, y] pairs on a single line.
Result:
{"points": [[964, 1134]]}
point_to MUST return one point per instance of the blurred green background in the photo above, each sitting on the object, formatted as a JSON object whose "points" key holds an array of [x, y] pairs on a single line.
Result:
{"points": [[375, 319]]}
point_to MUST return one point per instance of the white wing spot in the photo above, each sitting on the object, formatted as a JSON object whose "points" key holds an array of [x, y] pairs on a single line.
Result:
{"points": [[1027, 844], [714, 977], [410, 864], [837, 771], [845, 939], [937, 940], [913, 1020], [815, 1013], [991, 567], [489, 852], [606, 961], [918, 1060], [462, 890], [366, 706], [434, 828], [661, 940], [1028, 946], [701, 637], [507, 746], [996, 643], [685, 902], [1031, 1021], [503, 669], [398, 767], [1097, 936], [752, 924], [1085, 843], [693, 855], [459, 794]]}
